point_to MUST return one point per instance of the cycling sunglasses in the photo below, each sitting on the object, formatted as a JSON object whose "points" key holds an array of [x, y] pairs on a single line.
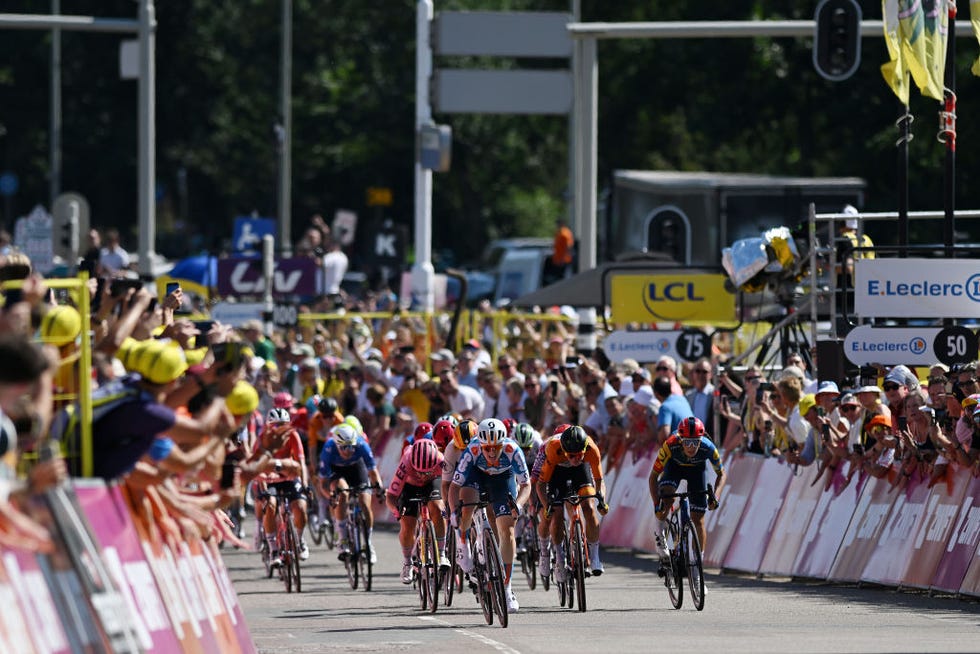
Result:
{"points": [[492, 450], [691, 442]]}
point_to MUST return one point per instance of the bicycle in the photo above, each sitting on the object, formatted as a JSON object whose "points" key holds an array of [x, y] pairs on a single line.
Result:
{"points": [[531, 554], [358, 560], [321, 532], [682, 552], [425, 558], [287, 542], [488, 564], [577, 564]]}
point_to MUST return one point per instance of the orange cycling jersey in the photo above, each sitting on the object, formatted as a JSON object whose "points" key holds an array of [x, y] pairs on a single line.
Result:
{"points": [[318, 429], [554, 456]]}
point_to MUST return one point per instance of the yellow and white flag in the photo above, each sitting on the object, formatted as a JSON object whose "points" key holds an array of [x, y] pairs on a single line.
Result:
{"points": [[916, 45], [936, 36], [896, 71]]}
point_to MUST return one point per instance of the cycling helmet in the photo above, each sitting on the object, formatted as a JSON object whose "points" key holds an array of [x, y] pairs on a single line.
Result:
{"points": [[509, 424], [524, 435], [560, 429], [327, 406], [451, 417], [442, 433], [424, 430], [463, 433], [574, 440], [344, 435], [690, 428], [354, 423], [491, 432], [425, 456], [313, 403], [282, 400], [277, 414]]}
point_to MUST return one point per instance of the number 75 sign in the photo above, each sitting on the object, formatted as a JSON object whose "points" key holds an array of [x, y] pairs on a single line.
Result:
{"points": [[649, 346]]}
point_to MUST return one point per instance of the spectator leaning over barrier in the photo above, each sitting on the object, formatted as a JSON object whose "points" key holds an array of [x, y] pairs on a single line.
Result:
{"points": [[919, 452], [642, 409], [792, 422], [898, 382], [384, 413], [961, 442], [879, 451]]}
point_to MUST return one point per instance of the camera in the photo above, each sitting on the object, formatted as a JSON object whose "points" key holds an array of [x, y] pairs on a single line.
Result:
{"points": [[903, 423], [859, 449]]}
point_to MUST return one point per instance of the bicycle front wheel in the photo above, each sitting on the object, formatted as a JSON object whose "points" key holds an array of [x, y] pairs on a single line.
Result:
{"points": [[350, 561], [495, 572], [313, 518], [695, 570], [579, 556], [450, 578], [286, 549], [364, 551], [430, 570], [294, 556], [673, 565]]}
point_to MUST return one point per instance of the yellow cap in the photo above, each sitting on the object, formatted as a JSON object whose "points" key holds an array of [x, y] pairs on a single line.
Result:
{"points": [[243, 399], [125, 351], [807, 402], [195, 355], [161, 362], [970, 401], [61, 325]]}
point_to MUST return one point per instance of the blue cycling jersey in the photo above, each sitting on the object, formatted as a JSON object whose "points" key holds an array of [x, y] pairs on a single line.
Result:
{"points": [[331, 457], [511, 462]]}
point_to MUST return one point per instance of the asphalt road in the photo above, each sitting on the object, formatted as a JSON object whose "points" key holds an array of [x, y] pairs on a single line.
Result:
{"points": [[628, 612]]}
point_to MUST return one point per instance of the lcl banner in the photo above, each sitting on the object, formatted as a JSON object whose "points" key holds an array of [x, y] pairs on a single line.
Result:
{"points": [[917, 288], [295, 276], [682, 298]]}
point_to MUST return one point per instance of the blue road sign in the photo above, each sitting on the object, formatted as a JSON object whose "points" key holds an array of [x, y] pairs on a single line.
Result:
{"points": [[247, 237], [8, 184]]}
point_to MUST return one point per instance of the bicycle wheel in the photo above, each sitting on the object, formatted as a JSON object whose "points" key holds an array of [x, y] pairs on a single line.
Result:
{"points": [[533, 555], [364, 551], [430, 569], [560, 585], [313, 518], [672, 573], [695, 570], [579, 557], [495, 573], [450, 578], [569, 572], [350, 561], [286, 549], [294, 556]]}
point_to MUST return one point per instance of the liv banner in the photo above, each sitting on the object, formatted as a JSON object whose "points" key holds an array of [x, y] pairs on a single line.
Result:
{"points": [[917, 288]]}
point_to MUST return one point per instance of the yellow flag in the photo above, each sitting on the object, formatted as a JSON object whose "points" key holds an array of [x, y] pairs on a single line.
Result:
{"points": [[935, 35], [896, 71], [975, 19]]}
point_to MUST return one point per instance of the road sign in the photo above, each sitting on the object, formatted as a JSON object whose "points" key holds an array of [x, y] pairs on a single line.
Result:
{"points": [[692, 344], [8, 184], [503, 33], [460, 91], [249, 230], [955, 344], [32, 235], [889, 346]]}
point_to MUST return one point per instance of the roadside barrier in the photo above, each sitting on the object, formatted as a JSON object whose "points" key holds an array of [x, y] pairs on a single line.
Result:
{"points": [[115, 582]]}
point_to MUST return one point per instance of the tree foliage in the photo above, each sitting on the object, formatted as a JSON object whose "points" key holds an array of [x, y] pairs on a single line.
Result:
{"points": [[747, 105]]}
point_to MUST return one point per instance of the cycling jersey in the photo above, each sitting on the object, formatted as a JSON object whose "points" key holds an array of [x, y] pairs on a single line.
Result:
{"points": [[472, 460], [672, 452], [555, 457], [450, 461], [292, 448], [318, 431], [331, 458], [539, 460], [406, 474]]}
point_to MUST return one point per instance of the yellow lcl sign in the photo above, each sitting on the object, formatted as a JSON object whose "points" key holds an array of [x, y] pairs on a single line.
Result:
{"points": [[691, 299]]}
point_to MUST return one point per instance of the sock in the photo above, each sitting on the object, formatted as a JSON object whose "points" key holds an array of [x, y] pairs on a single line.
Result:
{"points": [[342, 526], [462, 536], [271, 540], [407, 554], [441, 544], [546, 545], [507, 570]]}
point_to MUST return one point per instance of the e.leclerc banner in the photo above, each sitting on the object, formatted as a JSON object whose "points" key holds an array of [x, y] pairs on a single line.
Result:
{"points": [[917, 288]]}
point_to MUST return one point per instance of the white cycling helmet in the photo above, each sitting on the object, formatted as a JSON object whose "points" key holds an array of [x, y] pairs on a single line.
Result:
{"points": [[277, 415], [491, 431], [344, 435]]}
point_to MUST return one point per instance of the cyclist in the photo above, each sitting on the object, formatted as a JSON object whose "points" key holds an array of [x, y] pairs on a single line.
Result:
{"points": [[417, 478], [463, 433], [494, 465], [686, 455], [348, 462], [529, 440], [283, 442], [443, 434], [326, 417], [565, 471]]}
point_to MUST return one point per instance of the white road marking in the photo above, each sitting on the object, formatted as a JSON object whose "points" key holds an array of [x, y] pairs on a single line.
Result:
{"points": [[497, 645]]}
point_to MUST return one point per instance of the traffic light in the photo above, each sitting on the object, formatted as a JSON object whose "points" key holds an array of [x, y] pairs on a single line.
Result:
{"points": [[837, 42]]}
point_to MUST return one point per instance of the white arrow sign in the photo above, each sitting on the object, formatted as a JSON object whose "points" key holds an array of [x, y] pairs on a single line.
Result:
{"points": [[642, 347]]}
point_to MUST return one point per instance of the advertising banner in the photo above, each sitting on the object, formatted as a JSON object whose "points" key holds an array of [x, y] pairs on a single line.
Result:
{"points": [[935, 531], [742, 471], [896, 546], [961, 548], [630, 518], [917, 288], [799, 503], [748, 545], [890, 346], [683, 298], [865, 530], [830, 520], [242, 276]]}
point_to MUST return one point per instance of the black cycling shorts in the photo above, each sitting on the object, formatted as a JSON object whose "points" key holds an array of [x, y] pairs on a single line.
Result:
{"points": [[429, 492], [355, 475], [569, 480]]}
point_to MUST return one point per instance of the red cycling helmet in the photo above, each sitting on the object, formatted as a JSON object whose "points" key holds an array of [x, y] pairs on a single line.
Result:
{"points": [[283, 400], [509, 424], [443, 433], [425, 456], [560, 429], [424, 430], [690, 428]]}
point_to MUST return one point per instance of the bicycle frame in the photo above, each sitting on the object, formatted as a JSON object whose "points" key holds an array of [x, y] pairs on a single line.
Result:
{"points": [[577, 563], [488, 564], [680, 538], [425, 557], [358, 561]]}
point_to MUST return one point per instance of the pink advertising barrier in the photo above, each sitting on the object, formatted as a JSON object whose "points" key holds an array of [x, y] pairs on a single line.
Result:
{"points": [[748, 544], [830, 519], [790, 529], [721, 525], [866, 527], [935, 530], [961, 548], [629, 521]]}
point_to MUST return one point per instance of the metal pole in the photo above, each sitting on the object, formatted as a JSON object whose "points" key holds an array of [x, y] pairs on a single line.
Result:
{"points": [[147, 136], [54, 138], [905, 135], [573, 146], [949, 125], [423, 273], [586, 122], [286, 144]]}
